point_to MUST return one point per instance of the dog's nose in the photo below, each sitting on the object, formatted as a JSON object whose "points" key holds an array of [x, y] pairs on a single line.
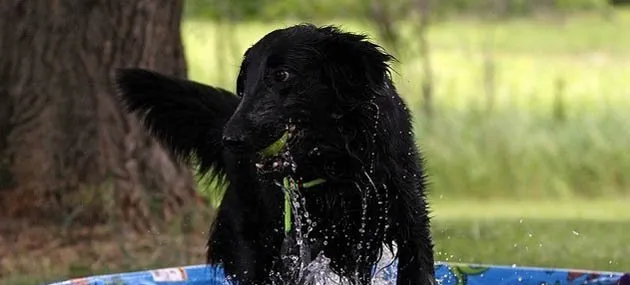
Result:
{"points": [[235, 143]]}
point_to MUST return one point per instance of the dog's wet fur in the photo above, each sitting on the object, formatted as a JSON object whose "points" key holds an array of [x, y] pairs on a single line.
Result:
{"points": [[348, 125]]}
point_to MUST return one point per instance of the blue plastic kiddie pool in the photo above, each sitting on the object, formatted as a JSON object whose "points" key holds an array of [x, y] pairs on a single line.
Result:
{"points": [[446, 274]]}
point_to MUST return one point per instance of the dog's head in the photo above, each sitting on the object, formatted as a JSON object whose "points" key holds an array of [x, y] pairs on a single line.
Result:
{"points": [[305, 76], [302, 83]]}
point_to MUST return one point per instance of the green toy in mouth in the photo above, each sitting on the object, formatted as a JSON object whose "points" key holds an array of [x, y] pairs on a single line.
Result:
{"points": [[277, 157], [273, 155], [276, 147]]}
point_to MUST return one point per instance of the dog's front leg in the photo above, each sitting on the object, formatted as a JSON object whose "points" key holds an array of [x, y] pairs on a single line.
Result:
{"points": [[234, 254], [412, 233], [229, 244]]}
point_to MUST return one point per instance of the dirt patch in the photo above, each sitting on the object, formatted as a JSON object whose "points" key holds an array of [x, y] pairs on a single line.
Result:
{"points": [[48, 253]]}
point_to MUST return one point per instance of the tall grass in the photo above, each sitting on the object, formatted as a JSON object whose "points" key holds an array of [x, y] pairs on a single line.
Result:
{"points": [[558, 124]]}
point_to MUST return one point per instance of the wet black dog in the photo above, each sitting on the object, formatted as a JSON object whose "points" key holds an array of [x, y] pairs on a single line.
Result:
{"points": [[329, 93]]}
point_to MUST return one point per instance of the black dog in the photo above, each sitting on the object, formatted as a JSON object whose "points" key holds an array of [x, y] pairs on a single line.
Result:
{"points": [[330, 95]]}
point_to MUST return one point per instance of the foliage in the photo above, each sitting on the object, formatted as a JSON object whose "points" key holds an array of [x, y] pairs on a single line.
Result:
{"points": [[270, 9], [521, 145], [328, 9]]}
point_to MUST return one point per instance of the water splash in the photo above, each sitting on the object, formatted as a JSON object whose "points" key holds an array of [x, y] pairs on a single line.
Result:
{"points": [[319, 272], [296, 250], [360, 244], [300, 268]]}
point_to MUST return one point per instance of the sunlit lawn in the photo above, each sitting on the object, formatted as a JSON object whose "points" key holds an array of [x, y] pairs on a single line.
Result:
{"points": [[567, 234]]}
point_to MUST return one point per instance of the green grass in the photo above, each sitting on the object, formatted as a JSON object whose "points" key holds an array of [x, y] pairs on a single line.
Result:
{"points": [[577, 234], [596, 210], [573, 233], [535, 242], [537, 141]]}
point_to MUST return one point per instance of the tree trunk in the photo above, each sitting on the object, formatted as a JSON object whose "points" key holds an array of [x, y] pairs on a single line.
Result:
{"points": [[381, 14], [424, 7], [71, 150], [5, 114]]}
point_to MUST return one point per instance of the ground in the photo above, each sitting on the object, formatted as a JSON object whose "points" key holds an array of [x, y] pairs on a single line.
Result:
{"points": [[34, 254], [568, 234]]}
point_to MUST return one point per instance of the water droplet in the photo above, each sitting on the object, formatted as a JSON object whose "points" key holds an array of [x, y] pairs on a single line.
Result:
{"points": [[575, 233]]}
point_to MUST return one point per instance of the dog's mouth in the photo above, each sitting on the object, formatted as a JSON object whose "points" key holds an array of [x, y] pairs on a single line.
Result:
{"points": [[277, 156]]}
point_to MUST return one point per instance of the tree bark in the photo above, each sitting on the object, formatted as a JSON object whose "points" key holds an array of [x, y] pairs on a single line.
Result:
{"points": [[71, 150], [424, 8], [383, 16]]}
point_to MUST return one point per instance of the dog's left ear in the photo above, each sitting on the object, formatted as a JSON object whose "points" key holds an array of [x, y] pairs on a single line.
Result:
{"points": [[353, 63]]}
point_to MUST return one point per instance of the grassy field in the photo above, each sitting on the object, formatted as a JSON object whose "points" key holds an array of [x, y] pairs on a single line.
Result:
{"points": [[569, 234], [519, 148], [581, 234]]}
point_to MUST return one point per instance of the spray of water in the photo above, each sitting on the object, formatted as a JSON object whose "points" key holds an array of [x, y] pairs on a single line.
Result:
{"points": [[302, 269]]}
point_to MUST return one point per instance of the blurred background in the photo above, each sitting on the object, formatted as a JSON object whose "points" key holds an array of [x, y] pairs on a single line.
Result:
{"points": [[521, 110]]}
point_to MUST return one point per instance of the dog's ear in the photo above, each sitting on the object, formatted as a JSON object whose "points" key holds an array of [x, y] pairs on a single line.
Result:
{"points": [[352, 62], [185, 116]]}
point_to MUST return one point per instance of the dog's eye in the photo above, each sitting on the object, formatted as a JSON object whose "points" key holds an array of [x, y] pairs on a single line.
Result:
{"points": [[281, 75]]}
